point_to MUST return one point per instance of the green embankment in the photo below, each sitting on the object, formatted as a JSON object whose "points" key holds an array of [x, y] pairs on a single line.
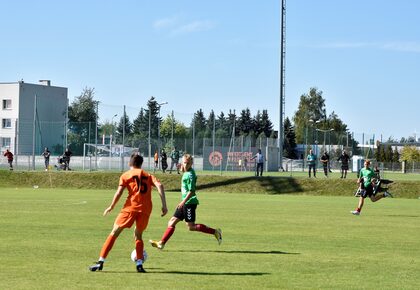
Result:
{"points": [[215, 183]]}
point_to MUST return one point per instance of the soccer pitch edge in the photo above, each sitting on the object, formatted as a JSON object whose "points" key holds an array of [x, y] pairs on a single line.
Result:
{"points": [[50, 236]]}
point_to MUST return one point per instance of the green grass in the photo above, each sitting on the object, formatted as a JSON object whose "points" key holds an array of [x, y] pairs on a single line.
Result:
{"points": [[244, 183], [50, 236]]}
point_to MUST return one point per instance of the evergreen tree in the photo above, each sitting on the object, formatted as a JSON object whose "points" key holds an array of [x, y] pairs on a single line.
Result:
{"points": [[396, 155], [222, 127], [199, 123], [267, 125], [210, 123], [231, 120], [258, 123], [245, 123], [377, 154], [124, 128], [141, 125], [289, 140], [388, 154]]}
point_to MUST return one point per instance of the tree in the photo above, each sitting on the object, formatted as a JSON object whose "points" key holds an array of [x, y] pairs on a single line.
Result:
{"points": [[267, 126], [222, 127], [289, 145], [141, 125], [82, 119], [124, 128], [311, 109], [410, 154], [231, 120], [396, 155], [179, 129], [388, 153], [258, 124], [199, 123], [245, 124], [210, 123]]}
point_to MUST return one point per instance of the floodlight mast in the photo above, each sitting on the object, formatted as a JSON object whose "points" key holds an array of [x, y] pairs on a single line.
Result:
{"points": [[282, 80]]}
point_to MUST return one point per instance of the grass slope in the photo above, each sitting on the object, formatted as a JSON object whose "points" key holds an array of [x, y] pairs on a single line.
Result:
{"points": [[243, 183], [50, 236]]}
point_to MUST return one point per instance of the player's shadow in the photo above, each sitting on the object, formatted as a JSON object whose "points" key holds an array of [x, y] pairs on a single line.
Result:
{"points": [[158, 271], [216, 274], [273, 185], [244, 252]]}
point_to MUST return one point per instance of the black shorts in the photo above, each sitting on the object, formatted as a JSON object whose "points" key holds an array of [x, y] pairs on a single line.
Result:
{"points": [[366, 191], [187, 213]]}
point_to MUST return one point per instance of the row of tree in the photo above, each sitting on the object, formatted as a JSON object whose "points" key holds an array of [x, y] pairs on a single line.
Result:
{"points": [[83, 115], [308, 125]]}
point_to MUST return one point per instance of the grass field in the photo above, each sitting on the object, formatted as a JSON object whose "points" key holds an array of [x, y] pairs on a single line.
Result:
{"points": [[50, 237]]}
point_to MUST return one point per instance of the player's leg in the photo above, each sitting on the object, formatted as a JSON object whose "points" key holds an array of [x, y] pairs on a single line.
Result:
{"points": [[142, 221], [168, 232], [360, 204], [106, 248], [190, 217]]}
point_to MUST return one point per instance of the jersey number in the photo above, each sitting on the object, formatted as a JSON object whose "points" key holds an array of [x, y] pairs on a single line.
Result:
{"points": [[141, 185]]}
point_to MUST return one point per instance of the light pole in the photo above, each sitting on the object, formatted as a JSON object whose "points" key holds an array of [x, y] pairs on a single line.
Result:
{"points": [[110, 139]]}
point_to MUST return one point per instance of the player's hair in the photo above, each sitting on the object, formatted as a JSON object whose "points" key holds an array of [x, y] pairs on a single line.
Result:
{"points": [[189, 158], [136, 160], [367, 161]]}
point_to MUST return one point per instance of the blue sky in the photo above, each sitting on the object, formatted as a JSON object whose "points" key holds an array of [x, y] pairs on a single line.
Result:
{"points": [[224, 54]]}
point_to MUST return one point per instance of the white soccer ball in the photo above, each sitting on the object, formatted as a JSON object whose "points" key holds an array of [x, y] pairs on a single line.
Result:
{"points": [[134, 255]]}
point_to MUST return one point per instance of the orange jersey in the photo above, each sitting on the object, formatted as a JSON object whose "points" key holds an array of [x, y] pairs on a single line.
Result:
{"points": [[139, 185]]}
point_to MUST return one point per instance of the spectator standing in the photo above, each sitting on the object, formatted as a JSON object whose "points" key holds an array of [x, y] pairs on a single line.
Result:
{"points": [[174, 160], [66, 158], [344, 158], [325, 160], [9, 156], [311, 159], [46, 155], [164, 160], [156, 160], [259, 159]]}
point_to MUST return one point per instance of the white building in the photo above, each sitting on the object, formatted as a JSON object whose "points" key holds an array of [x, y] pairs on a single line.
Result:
{"points": [[33, 116]]}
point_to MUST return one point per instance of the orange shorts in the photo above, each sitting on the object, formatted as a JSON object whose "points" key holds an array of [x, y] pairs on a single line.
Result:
{"points": [[125, 219]]}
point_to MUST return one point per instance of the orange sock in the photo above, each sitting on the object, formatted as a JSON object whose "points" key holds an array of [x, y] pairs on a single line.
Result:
{"points": [[139, 249], [107, 246]]}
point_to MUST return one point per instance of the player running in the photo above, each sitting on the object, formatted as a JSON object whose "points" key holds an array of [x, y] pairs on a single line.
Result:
{"points": [[137, 208], [366, 186], [186, 209]]}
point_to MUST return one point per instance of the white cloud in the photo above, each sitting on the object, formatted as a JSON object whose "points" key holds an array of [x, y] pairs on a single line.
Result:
{"points": [[403, 46], [165, 22], [195, 26]]}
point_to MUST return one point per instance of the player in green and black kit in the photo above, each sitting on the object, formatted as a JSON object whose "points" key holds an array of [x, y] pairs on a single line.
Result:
{"points": [[365, 180], [187, 207]]}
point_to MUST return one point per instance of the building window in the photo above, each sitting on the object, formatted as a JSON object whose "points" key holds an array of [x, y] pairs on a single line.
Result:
{"points": [[7, 104], [5, 142], [6, 123]]}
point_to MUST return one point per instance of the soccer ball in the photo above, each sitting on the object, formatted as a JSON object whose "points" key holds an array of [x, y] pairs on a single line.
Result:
{"points": [[134, 255]]}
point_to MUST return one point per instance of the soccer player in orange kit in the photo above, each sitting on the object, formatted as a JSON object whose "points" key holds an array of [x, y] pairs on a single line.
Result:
{"points": [[137, 209]]}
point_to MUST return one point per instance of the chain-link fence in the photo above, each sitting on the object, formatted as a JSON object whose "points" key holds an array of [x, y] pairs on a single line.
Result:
{"points": [[107, 143]]}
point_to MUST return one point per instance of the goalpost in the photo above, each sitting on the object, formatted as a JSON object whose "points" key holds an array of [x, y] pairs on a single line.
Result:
{"points": [[107, 157]]}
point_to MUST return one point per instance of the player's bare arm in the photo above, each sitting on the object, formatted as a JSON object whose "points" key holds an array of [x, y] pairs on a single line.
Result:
{"points": [[115, 200], [161, 192]]}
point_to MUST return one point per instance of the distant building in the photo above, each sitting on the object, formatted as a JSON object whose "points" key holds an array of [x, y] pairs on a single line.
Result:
{"points": [[32, 114]]}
